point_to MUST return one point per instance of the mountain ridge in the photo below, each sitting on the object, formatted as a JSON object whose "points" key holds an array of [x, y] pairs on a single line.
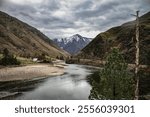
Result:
{"points": [[122, 37], [72, 44]]}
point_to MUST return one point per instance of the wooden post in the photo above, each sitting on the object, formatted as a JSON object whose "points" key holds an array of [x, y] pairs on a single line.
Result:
{"points": [[137, 57]]}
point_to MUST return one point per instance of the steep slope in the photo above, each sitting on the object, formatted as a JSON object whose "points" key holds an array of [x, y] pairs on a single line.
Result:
{"points": [[122, 37], [23, 40], [72, 44]]}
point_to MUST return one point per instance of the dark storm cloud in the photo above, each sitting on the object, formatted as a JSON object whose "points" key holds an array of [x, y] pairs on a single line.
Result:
{"points": [[115, 12], [100, 10], [26, 15], [64, 17], [1, 2], [49, 5], [84, 6], [53, 23], [35, 15], [147, 1]]}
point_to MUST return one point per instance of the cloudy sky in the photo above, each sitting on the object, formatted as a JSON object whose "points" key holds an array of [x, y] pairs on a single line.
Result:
{"points": [[63, 18]]}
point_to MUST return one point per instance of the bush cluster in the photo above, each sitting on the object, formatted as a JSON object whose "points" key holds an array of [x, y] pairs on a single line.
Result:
{"points": [[8, 59]]}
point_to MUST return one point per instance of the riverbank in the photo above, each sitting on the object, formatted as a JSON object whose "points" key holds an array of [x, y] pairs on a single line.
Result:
{"points": [[30, 72], [144, 74], [99, 63], [91, 62]]}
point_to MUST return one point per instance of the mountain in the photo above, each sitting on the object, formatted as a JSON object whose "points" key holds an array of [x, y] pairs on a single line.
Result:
{"points": [[122, 37], [24, 40], [72, 44]]}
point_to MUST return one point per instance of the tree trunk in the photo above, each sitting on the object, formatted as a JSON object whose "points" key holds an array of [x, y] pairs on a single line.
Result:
{"points": [[137, 57]]}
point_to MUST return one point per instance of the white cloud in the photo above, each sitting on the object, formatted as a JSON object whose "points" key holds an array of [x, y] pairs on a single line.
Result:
{"points": [[59, 14]]}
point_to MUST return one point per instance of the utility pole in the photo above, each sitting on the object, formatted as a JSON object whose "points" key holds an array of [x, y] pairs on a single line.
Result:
{"points": [[137, 56]]}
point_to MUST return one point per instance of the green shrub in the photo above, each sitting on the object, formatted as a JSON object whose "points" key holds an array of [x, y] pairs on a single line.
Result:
{"points": [[8, 59], [115, 81]]}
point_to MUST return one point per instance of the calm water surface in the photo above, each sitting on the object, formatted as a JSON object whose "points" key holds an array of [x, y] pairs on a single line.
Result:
{"points": [[72, 85]]}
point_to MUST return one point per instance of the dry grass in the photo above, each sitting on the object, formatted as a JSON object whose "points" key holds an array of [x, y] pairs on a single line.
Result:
{"points": [[25, 61]]}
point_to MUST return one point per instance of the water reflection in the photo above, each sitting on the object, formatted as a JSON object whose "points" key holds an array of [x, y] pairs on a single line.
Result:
{"points": [[12, 89], [73, 85], [79, 82], [94, 80]]}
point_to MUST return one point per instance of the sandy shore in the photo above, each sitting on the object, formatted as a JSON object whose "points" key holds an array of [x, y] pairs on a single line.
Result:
{"points": [[30, 72]]}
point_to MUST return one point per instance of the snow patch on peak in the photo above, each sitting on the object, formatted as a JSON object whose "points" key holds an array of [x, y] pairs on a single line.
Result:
{"points": [[72, 44]]}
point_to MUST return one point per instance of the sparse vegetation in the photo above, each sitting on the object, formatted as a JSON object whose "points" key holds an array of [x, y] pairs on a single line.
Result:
{"points": [[1, 55], [8, 59], [26, 61], [60, 57], [124, 38], [24, 40]]}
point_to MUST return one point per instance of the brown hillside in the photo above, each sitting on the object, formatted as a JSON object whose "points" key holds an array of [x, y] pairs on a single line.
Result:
{"points": [[23, 40], [122, 37]]}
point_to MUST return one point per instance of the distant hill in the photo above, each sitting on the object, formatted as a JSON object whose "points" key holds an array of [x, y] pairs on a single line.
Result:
{"points": [[72, 44], [122, 37], [24, 40]]}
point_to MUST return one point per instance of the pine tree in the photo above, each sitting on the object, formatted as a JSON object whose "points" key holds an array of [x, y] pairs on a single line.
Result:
{"points": [[116, 82]]}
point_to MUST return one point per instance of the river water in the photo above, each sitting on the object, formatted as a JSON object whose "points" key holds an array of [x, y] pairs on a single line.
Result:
{"points": [[73, 85]]}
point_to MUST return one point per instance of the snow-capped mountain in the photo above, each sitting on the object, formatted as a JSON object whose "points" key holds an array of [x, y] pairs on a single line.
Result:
{"points": [[72, 44]]}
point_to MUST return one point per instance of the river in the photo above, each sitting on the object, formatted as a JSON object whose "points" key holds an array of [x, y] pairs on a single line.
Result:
{"points": [[73, 85]]}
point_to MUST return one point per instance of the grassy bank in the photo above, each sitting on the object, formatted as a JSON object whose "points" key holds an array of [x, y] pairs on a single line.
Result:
{"points": [[25, 61], [92, 62]]}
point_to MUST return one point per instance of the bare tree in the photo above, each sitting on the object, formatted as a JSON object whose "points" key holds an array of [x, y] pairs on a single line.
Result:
{"points": [[137, 56]]}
